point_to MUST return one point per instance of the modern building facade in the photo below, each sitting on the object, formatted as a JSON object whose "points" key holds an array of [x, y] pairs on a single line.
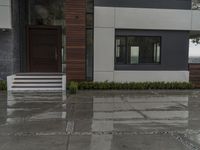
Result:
{"points": [[100, 40]]}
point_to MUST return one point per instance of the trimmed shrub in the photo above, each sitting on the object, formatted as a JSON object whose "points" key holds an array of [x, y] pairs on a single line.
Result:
{"points": [[3, 85], [133, 85], [73, 87]]}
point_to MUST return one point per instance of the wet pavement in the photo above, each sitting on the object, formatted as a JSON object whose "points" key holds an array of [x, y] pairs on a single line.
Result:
{"points": [[103, 120]]}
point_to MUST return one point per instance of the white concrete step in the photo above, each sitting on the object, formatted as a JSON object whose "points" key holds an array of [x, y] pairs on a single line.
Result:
{"points": [[38, 77], [37, 89], [36, 85], [37, 82]]}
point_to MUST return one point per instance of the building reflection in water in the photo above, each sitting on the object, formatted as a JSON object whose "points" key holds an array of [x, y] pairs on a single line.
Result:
{"points": [[3, 109], [21, 107], [126, 114]]}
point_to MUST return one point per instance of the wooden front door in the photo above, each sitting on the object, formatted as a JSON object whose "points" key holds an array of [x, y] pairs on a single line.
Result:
{"points": [[44, 48]]}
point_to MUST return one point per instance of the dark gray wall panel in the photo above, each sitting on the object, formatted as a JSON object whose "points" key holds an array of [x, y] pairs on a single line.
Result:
{"points": [[16, 40], [6, 61], [12, 42], [174, 50], [19, 18], [167, 4]]}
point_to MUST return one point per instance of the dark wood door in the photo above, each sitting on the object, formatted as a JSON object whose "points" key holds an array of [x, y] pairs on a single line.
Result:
{"points": [[44, 48]]}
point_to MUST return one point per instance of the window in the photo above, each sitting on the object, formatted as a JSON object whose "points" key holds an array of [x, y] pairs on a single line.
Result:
{"points": [[134, 55], [46, 12], [89, 35], [131, 50], [196, 4], [120, 50]]}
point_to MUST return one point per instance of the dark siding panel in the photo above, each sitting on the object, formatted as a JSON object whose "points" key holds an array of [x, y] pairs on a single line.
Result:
{"points": [[174, 50], [167, 4], [19, 21], [12, 44]]}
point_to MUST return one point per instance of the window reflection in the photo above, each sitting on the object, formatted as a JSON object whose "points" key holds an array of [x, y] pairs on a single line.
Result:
{"points": [[46, 12], [134, 54], [195, 4], [120, 50], [137, 50]]}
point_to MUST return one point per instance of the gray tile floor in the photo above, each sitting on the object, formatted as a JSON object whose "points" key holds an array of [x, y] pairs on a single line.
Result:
{"points": [[103, 120]]}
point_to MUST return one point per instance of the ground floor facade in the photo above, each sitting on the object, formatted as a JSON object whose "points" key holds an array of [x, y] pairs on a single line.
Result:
{"points": [[99, 40]]}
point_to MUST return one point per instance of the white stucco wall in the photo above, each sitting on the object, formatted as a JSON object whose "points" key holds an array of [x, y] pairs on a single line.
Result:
{"points": [[142, 76], [5, 14], [196, 20], [153, 19], [103, 49], [145, 18], [107, 19]]}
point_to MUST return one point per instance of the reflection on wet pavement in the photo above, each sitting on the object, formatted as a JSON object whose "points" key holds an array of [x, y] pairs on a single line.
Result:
{"points": [[112, 120]]}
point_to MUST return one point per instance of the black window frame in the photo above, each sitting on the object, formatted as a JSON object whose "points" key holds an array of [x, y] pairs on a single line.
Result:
{"points": [[130, 66]]}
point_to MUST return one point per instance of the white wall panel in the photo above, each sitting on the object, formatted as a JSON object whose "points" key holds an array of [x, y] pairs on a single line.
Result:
{"points": [[103, 76], [151, 76], [5, 2], [196, 20], [104, 39], [165, 19], [104, 17], [147, 18], [5, 14]]}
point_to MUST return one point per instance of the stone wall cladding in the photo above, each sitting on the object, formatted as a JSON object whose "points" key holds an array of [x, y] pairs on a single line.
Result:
{"points": [[6, 54]]}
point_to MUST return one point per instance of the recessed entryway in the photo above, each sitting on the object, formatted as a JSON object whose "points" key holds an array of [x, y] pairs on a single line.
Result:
{"points": [[44, 44]]}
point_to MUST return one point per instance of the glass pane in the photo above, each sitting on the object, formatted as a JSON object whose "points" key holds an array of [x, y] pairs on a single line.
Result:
{"points": [[90, 6], [89, 20], [89, 47], [156, 52], [149, 49], [46, 12], [134, 55], [195, 4], [89, 54], [120, 51]]}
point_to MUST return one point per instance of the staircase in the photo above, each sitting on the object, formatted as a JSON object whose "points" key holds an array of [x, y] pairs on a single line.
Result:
{"points": [[37, 82], [195, 74]]}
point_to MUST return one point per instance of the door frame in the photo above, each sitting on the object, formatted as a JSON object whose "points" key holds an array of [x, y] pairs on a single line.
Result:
{"points": [[55, 27]]}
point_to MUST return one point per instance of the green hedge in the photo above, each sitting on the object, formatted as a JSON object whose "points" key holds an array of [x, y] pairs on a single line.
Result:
{"points": [[3, 85], [73, 87], [133, 85]]}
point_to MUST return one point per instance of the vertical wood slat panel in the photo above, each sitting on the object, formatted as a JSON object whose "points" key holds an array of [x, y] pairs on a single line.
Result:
{"points": [[195, 74], [75, 16]]}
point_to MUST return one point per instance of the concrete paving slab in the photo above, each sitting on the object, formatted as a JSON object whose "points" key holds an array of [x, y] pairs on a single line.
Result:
{"points": [[83, 126], [79, 142], [146, 142], [102, 126], [35, 143], [178, 115], [44, 126]]}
